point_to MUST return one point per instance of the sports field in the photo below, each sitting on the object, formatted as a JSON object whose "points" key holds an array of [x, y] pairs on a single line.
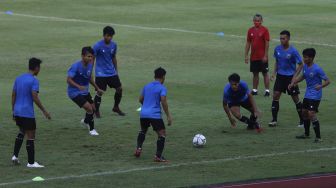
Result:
{"points": [[180, 36]]}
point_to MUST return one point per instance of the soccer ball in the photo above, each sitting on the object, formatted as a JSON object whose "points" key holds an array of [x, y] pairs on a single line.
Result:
{"points": [[199, 140]]}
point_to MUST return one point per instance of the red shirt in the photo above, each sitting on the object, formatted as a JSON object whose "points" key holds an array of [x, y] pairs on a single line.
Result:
{"points": [[257, 37]]}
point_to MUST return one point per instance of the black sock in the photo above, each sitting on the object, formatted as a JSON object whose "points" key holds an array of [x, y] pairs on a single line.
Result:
{"points": [[299, 111], [275, 110], [97, 101], [246, 120], [316, 125], [18, 144], [306, 124], [117, 99], [141, 138], [160, 145], [89, 120], [31, 151], [253, 118]]}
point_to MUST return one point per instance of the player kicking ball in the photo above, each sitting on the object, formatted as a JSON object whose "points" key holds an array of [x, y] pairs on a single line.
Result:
{"points": [[79, 78], [25, 92], [151, 96], [313, 74], [236, 95]]}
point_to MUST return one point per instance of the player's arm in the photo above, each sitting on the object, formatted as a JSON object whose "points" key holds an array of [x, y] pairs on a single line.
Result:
{"points": [[325, 79], [73, 83], [265, 59], [13, 102], [229, 115], [165, 109], [298, 70], [247, 49], [141, 99], [115, 62], [93, 83], [275, 70], [37, 101], [296, 80]]}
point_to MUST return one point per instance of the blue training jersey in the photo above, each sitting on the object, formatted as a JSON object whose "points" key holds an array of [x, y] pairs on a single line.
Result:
{"points": [[313, 76], [81, 75], [23, 87], [104, 54], [240, 95], [286, 60], [152, 93]]}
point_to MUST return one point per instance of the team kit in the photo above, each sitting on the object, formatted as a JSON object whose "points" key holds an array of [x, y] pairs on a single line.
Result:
{"points": [[289, 70]]}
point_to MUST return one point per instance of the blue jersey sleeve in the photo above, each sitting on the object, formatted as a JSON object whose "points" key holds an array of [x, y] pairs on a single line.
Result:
{"points": [[115, 51], [36, 85], [163, 92], [297, 57], [95, 49], [275, 53], [72, 71], [322, 74]]}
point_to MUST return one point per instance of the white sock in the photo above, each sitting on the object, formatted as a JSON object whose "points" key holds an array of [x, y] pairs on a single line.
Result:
{"points": [[267, 90], [254, 90]]}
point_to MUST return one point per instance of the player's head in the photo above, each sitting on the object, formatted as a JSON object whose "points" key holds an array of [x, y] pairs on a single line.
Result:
{"points": [[234, 80], [257, 20], [87, 54], [108, 33], [308, 55], [284, 37], [160, 74], [34, 65]]}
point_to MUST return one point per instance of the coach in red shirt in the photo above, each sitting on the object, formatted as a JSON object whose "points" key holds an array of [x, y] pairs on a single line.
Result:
{"points": [[258, 40]]}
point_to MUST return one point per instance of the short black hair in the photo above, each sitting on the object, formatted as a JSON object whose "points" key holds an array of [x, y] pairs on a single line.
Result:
{"points": [[310, 52], [159, 72], [234, 77], [87, 49], [34, 63], [108, 30], [285, 32], [257, 15]]}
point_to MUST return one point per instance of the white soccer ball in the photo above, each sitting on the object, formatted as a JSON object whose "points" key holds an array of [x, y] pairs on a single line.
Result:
{"points": [[199, 140]]}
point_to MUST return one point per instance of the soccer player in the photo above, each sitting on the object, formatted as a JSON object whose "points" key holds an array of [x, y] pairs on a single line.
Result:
{"points": [[258, 40], [151, 96], [285, 68], [79, 77], [25, 92], [106, 71], [313, 74], [236, 94]]}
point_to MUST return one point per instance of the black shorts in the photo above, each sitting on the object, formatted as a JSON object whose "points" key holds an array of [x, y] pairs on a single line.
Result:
{"points": [[245, 104], [258, 66], [27, 124], [310, 104], [80, 100], [157, 124], [281, 85], [112, 82]]}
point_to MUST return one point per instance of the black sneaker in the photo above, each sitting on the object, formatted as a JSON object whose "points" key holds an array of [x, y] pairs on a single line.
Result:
{"points": [[254, 92], [317, 140], [267, 94], [304, 136], [160, 159], [118, 111]]}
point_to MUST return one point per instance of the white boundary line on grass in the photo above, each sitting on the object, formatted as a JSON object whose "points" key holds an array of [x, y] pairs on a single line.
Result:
{"points": [[152, 28], [165, 166]]}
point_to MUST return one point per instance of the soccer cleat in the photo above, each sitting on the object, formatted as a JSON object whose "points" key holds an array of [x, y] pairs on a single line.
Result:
{"points": [[304, 136], [15, 160], [97, 114], [272, 123], [93, 132], [85, 125], [160, 159], [118, 111], [35, 165], [267, 94], [258, 127], [137, 152], [318, 140], [301, 125], [254, 92]]}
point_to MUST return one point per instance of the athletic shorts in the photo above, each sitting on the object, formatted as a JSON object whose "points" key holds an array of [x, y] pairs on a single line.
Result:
{"points": [[80, 100], [258, 66], [281, 84], [245, 104], [310, 104], [157, 124], [112, 82], [27, 124]]}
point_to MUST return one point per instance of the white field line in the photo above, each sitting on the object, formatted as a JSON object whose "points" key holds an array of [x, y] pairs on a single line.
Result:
{"points": [[165, 166], [152, 28]]}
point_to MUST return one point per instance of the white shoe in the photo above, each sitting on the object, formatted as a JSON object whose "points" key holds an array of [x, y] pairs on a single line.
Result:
{"points": [[85, 125], [93, 132], [35, 165], [15, 160], [301, 126]]}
